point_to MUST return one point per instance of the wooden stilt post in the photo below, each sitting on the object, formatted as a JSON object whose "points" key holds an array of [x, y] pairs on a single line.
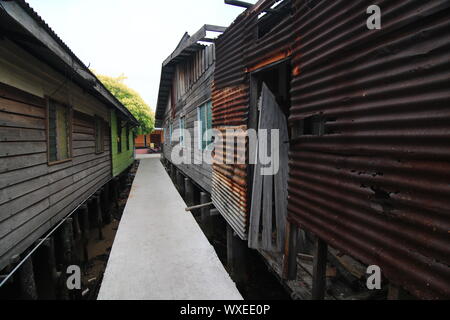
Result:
{"points": [[173, 173], [76, 226], [189, 191], [116, 194], [67, 241], [64, 254], [180, 182], [290, 252], [236, 258], [84, 211], [319, 270], [46, 276], [27, 284], [205, 214], [106, 205], [98, 213]]}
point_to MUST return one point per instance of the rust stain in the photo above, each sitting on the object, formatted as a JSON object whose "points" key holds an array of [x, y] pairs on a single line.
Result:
{"points": [[273, 59], [296, 71]]}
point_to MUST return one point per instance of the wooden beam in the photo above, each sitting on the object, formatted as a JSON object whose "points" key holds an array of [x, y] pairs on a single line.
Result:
{"points": [[200, 206], [214, 28]]}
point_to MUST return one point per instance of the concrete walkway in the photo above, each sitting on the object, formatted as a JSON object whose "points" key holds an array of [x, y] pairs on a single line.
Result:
{"points": [[160, 251]]}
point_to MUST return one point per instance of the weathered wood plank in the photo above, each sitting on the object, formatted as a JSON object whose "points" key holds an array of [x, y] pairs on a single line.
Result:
{"points": [[23, 161], [21, 147], [46, 204], [21, 134], [12, 93], [20, 121], [83, 137], [83, 144], [28, 233], [12, 106]]}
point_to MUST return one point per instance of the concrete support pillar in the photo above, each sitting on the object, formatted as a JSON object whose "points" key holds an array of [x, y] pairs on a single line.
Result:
{"points": [[27, 284], [189, 192], [236, 256]]}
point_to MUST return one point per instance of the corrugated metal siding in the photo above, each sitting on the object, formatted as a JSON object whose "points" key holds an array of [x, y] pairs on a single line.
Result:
{"points": [[273, 46], [239, 51], [230, 111], [376, 184]]}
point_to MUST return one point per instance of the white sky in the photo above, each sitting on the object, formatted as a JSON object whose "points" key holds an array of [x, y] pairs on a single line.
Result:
{"points": [[130, 36]]}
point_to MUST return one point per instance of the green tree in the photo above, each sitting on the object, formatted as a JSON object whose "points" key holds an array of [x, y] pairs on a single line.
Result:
{"points": [[132, 100]]}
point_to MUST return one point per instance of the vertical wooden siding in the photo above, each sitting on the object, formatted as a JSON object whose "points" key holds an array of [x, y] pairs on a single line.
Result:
{"points": [[196, 84]]}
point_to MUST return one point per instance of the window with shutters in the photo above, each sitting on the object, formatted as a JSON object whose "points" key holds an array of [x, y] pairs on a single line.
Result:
{"points": [[59, 124], [204, 119]]}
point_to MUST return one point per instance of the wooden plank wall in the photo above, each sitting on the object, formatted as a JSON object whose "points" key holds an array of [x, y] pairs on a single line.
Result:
{"points": [[197, 75], [33, 195]]}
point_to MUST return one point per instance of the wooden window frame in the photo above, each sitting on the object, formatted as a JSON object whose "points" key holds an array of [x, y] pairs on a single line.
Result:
{"points": [[47, 129], [127, 133], [119, 136], [102, 134], [202, 122]]}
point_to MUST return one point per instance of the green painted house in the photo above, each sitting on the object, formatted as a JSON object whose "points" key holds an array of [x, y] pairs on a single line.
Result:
{"points": [[122, 143]]}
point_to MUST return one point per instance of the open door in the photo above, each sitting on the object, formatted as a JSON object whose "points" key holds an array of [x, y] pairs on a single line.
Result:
{"points": [[269, 189]]}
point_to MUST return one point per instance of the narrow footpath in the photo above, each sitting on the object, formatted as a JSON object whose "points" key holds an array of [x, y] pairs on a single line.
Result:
{"points": [[159, 251]]}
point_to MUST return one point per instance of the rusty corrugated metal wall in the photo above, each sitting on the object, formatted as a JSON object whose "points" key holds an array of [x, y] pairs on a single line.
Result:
{"points": [[230, 110], [239, 52], [376, 184]]}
